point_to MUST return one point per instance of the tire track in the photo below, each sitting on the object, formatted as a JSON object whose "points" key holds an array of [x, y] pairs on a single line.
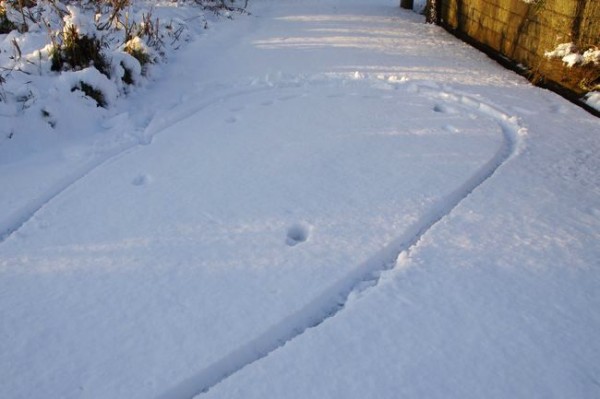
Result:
{"points": [[14, 223], [154, 127], [367, 275], [334, 298]]}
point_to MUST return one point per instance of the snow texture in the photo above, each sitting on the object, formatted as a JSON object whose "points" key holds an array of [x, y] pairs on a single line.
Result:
{"points": [[593, 99], [321, 199]]}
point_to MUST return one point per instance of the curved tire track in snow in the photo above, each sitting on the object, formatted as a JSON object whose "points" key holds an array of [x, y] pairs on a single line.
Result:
{"points": [[154, 127], [28, 212], [367, 274]]}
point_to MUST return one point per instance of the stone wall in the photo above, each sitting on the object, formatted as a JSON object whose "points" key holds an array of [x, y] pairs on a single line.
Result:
{"points": [[524, 31]]}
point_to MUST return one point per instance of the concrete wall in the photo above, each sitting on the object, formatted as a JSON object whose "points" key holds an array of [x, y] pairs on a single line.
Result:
{"points": [[524, 31]]}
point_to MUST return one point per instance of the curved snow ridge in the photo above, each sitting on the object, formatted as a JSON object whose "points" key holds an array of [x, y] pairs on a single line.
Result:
{"points": [[514, 133], [368, 274]]}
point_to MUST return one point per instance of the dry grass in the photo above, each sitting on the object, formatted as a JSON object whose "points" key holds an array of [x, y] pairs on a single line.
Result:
{"points": [[578, 78]]}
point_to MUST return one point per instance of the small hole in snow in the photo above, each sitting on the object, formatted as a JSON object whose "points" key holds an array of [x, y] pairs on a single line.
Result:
{"points": [[140, 180], [444, 109], [297, 234]]}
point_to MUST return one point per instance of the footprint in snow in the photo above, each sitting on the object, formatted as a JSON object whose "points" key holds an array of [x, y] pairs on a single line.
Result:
{"points": [[297, 234], [451, 129], [287, 98], [558, 109], [444, 109], [141, 180]]}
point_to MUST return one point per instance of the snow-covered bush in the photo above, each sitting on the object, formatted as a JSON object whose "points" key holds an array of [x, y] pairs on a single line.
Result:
{"points": [[118, 38], [219, 5], [6, 25], [65, 63], [12, 15], [78, 51], [138, 50], [93, 84]]}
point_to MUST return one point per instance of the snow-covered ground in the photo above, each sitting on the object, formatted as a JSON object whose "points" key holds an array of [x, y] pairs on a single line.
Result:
{"points": [[323, 199]]}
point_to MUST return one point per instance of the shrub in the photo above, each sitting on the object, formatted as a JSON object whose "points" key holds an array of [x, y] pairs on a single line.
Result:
{"points": [[93, 93], [20, 6], [6, 25], [136, 48], [127, 77], [217, 6], [78, 52]]}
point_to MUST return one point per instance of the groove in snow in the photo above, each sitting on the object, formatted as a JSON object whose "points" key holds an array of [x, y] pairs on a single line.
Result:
{"points": [[366, 275], [154, 127]]}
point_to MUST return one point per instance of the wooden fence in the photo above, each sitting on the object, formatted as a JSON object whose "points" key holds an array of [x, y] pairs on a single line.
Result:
{"points": [[524, 31]]}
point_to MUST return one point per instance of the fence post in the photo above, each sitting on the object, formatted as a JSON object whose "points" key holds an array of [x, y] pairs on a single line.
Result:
{"points": [[432, 11], [408, 4]]}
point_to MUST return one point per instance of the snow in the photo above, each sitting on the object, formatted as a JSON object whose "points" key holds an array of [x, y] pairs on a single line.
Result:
{"points": [[591, 55], [419, 6], [593, 99], [92, 77], [83, 24], [570, 55], [31, 89], [321, 199]]}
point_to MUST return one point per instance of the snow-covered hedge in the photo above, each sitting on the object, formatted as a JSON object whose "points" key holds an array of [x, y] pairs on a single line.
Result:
{"points": [[117, 38], [86, 53]]}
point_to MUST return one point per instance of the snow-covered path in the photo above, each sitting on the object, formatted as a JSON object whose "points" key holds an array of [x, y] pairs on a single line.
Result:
{"points": [[285, 162]]}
